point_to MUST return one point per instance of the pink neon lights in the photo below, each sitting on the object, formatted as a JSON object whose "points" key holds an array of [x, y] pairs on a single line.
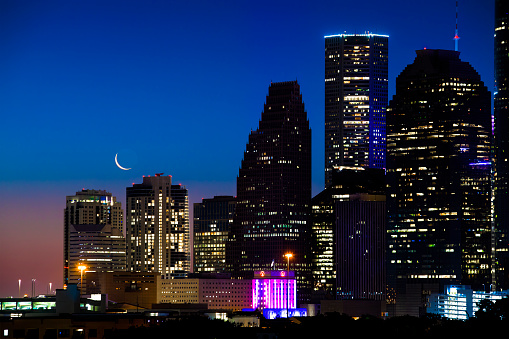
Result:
{"points": [[274, 292]]}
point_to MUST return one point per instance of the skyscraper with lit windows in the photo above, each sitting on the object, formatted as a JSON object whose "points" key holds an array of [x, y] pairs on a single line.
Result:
{"points": [[274, 191], [348, 236], [438, 177], [356, 90], [212, 222], [501, 159], [157, 227], [93, 234]]}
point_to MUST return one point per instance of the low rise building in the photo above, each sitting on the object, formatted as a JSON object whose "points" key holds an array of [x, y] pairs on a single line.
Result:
{"points": [[140, 289], [217, 291], [460, 301]]}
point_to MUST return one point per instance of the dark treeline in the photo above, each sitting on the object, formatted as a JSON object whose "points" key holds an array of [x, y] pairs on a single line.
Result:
{"points": [[331, 325]]}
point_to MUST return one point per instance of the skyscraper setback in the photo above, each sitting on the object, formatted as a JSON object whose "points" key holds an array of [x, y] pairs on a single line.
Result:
{"points": [[157, 227], [274, 190], [356, 85], [438, 177]]}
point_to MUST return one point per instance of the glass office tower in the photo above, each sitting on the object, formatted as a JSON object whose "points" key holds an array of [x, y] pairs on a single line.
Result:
{"points": [[438, 174], [274, 191], [356, 91]]}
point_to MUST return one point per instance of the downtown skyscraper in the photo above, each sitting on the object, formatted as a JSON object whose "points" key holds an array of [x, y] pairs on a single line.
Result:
{"points": [[274, 191], [212, 222], [348, 236], [157, 227], [439, 179], [356, 90], [501, 138], [93, 234]]}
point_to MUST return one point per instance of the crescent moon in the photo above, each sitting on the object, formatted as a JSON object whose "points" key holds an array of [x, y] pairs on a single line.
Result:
{"points": [[118, 165]]}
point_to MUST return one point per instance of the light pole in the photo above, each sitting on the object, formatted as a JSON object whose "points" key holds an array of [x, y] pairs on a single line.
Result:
{"points": [[288, 256], [81, 268]]}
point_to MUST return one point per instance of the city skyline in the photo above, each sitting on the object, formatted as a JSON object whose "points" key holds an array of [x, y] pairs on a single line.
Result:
{"points": [[78, 74]]}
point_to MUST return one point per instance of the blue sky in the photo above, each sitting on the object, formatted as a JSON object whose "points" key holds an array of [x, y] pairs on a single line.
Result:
{"points": [[173, 87]]}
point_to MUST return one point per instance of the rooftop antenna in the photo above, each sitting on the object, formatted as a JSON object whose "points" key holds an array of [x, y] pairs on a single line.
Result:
{"points": [[456, 36]]}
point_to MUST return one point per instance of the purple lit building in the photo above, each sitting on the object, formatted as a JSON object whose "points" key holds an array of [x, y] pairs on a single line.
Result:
{"points": [[275, 292]]}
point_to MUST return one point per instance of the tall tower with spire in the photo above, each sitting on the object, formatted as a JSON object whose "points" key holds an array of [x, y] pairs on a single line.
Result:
{"points": [[438, 179], [456, 36]]}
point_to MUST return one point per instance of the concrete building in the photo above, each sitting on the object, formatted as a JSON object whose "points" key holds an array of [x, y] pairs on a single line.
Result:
{"points": [[137, 289], [219, 293], [93, 234], [157, 227], [99, 248]]}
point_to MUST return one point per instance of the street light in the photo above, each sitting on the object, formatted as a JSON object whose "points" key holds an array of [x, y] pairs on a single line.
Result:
{"points": [[81, 268], [288, 256]]}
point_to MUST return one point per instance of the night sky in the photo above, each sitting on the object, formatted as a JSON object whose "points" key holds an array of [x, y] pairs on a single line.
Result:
{"points": [[172, 87]]}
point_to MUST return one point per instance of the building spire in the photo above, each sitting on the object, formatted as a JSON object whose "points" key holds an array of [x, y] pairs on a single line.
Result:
{"points": [[456, 36]]}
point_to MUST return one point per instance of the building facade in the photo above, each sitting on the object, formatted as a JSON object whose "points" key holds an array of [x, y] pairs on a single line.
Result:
{"points": [[356, 92], [92, 218], [211, 226], [157, 227], [138, 289], [218, 293], [274, 191], [461, 302], [100, 248], [274, 289], [501, 154], [438, 174], [348, 236]]}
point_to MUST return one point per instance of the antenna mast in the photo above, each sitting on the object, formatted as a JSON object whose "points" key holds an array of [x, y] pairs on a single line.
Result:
{"points": [[456, 36]]}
